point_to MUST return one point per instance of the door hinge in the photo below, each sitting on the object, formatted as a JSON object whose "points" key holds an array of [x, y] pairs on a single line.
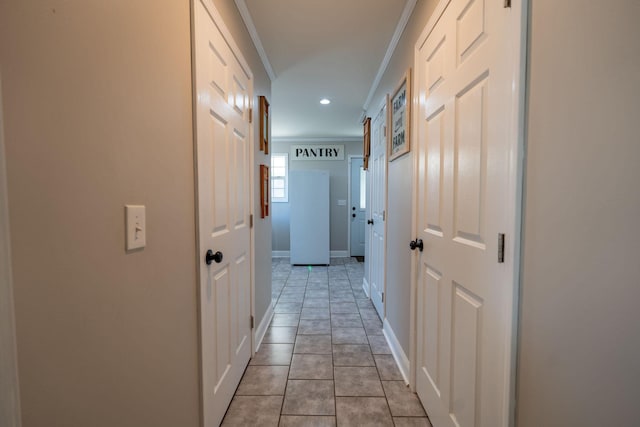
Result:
{"points": [[251, 221], [383, 297], [507, 3], [251, 322], [384, 215], [250, 115], [500, 248], [385, 130]]}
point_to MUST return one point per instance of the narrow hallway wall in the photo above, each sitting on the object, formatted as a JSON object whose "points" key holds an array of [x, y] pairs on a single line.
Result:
{"points": [[400, 187], [98, 114], [580, 342]]}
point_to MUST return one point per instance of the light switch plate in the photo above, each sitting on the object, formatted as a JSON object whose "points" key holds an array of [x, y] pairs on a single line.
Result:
{"points": [[136, 226]]}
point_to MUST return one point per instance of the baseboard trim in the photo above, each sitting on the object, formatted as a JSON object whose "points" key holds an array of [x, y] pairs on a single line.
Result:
{"points": [[262, 327], [280, 254], [287, 254], [365, 287], [396, 349]]}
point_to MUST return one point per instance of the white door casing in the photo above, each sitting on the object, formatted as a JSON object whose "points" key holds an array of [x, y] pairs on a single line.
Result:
{"points": [[356, 212], [378, 173], [224, 90], [468, 141], [10, 415]]}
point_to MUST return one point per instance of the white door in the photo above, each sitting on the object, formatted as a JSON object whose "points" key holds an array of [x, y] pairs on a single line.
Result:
{"points": [[223, 147], [357, 209], [468, 83], [376, 223]]}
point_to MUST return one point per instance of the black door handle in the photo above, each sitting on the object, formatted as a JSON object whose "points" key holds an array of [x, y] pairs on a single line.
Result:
{"points": [[416, 244], [370, 221], [353, 215], [353, 208], [210, 256]]}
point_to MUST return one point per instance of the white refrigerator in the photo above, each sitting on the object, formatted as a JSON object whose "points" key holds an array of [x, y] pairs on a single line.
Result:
{"points": [[309, 217]]}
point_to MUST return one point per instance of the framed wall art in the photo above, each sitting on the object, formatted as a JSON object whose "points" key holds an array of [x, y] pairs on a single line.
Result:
{"points": [[264, 191], [367, 142], [264, 125], [400, 118]]}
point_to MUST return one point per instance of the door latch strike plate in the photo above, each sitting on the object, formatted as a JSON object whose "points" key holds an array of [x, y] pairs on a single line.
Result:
{"points": [[500, 248], [251, 321]]}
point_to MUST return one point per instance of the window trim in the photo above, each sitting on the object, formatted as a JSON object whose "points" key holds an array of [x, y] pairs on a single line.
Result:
{"points": [[284, 199]]}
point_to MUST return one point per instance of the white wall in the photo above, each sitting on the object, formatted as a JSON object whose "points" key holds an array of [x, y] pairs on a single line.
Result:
{"points": [[400, 188], [97, 114], [339, 182], [579, 362]]}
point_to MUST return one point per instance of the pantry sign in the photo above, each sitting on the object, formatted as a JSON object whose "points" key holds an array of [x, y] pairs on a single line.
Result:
{"points": [[317, 152]]}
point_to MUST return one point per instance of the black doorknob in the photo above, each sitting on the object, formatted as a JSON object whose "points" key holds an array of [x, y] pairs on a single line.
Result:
{"points": [[416, 244], [353, 208], [370, 221], [353, 215], [210, 256]]}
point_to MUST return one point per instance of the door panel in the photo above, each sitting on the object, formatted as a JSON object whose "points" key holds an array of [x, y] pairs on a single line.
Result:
{"points": [[378, 173], [466, 186], [223, 150], [357, 212]]}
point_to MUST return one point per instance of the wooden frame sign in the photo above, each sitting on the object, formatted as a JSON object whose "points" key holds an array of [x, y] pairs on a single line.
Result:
{"points": [[400, 118], [264, 191], [367, 143], [264, 125]]}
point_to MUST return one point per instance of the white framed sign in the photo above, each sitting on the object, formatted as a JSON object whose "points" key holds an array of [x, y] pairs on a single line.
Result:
{"points": [[400, 108], [317, 152]]}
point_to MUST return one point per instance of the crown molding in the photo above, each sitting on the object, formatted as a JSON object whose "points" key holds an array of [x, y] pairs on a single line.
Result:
{"points": [[402, 23], [253, 33], [318, 140]]}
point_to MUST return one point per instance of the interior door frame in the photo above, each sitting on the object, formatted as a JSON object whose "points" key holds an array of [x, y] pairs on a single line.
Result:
{"points": [[219, 22], [349, 201], [9, 388], [518, 51], [385, 136]]}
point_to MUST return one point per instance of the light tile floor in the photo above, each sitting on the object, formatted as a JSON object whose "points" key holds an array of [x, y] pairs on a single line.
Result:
{"points": [[324, 360]]}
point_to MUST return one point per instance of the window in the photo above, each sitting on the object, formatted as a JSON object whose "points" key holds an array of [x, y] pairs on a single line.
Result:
{"points": [[279, 178]]}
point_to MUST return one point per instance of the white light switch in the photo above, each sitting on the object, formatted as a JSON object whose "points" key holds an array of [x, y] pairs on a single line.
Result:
{"points": [[136, 226], [342, 203]]}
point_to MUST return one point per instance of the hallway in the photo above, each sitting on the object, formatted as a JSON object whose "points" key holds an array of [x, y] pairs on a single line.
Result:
{"points": [[324, 358]]}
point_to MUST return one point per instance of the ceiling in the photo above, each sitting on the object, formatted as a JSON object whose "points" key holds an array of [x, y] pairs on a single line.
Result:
{"points": [[314, 49]]}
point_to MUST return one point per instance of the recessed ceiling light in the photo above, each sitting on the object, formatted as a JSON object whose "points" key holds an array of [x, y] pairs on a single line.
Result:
{"points": [[325, 101]]}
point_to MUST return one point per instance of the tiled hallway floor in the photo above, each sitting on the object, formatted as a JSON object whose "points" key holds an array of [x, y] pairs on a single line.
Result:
{"points": [[324, 360]]}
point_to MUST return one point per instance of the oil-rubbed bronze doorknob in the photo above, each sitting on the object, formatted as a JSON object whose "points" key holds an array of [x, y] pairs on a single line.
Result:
{"points": [[210, 256], [370, 221], [416, 244]]}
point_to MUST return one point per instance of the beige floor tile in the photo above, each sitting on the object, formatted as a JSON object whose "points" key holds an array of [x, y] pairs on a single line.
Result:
{"points": [[388, 368], [311, 367], [309, 397], [280, 335], [411, 422], [352, 355], [363, 412], [357, 381], [263, 380], [313, 344], [307, 421], [402, 401], [257, 411], [273, 354]]}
